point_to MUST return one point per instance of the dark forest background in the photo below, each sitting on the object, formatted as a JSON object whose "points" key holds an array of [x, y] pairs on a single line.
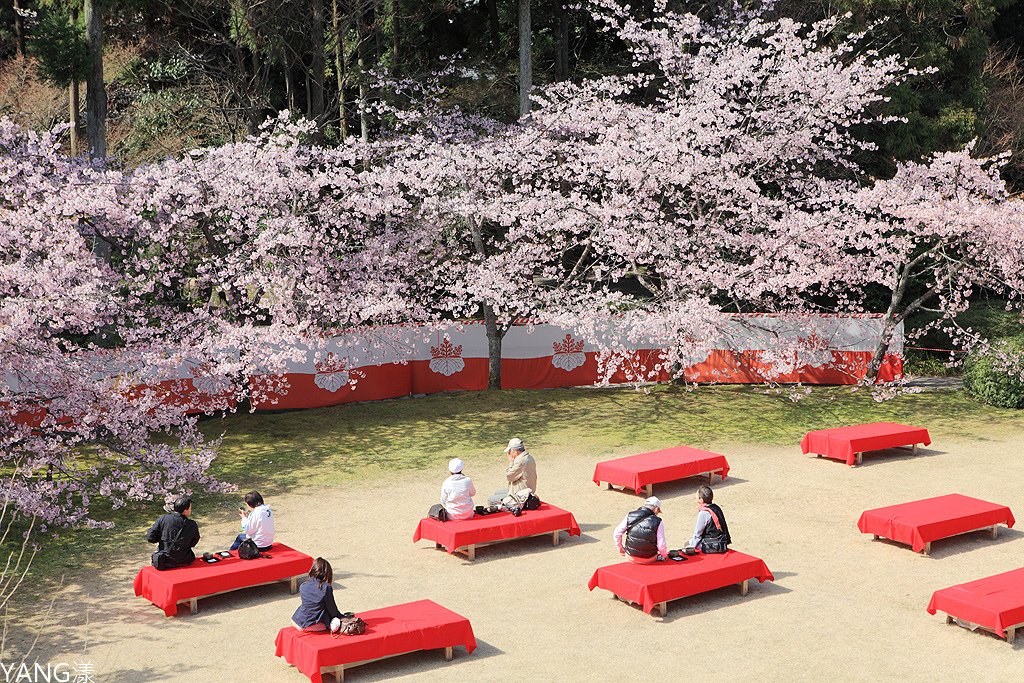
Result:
{"points": [[185, 73]]}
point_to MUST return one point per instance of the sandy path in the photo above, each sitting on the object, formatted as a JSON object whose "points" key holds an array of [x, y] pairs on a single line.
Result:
{"points": [[842, 607]]}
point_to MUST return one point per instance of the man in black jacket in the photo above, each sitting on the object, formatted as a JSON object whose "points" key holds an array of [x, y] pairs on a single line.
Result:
{"points": [[176, 534], [641, 535]]}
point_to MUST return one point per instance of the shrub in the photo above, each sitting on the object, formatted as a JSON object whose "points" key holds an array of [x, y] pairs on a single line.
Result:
{"points": [[994, 376]]}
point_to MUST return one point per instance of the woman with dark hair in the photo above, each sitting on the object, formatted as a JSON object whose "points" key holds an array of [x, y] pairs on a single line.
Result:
{"points": [[257, 523], [318, 611]]}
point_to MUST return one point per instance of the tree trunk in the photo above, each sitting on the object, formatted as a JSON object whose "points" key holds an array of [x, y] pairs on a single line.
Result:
{"points": [[309, 94], [494, 337], [898, 312], [494, 333], [880, 350], [73, 105], [95, 91], [19, 30], [562, 55], [492, 17], [396, 38], [340, 68], [525, 58], [317, 67], [289, 84], [362, 59]]}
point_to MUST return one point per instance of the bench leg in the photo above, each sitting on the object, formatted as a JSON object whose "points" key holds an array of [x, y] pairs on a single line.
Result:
{"points": [[913, 449], [662, 608], [1011, 634], [339, 674], [471, 552], [711, 478], [995, 531], [949, 620], [437, 546], [293, 585], [859, 457], [744, 587], [874, 537], [449, 653], [555, 535], [608, 485], [649, 489], [193, 605], [927, 549]]}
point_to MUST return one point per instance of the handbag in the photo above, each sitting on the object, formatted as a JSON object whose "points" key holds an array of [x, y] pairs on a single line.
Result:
{"points": [[352, 626], [248, 550], [438, 512]]}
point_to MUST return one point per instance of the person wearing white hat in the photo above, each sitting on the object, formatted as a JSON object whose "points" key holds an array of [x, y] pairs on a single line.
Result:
{"points": [[521, 472], [457, 492], [641, 534]]}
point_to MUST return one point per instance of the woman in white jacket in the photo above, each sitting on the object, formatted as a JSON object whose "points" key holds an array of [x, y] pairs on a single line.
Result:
{"points": [[457, 492]]}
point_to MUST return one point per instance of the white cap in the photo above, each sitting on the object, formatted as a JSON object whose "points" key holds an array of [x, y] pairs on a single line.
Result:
{"points": [[455, 465], [515, 445], [653, 502]]}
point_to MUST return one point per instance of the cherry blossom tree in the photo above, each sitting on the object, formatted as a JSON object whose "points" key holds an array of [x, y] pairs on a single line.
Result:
{"points": [[68, 430], [719, 176], [228, 262]]}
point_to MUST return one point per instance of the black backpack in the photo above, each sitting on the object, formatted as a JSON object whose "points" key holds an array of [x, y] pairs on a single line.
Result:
{"points": [[248, 550], [438, 512], [532, 502]]}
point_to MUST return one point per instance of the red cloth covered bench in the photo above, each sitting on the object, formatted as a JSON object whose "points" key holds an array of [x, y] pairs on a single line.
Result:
{"points": [[919, 523], [463, 536], [850, 443], [996, 603], [646, 469], [390, 631], [167, 588], [654, 585]]}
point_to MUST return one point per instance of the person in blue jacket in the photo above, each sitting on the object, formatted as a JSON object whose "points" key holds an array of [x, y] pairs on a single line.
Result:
{"points": [[318, 611]]}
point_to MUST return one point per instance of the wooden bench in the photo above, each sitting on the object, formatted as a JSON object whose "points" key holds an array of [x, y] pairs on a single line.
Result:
{"points": [[390, 631], [654, 585], [467, 535], [641, 472]]}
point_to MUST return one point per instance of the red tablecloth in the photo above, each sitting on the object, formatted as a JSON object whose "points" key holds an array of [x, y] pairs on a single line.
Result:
{"points": [[500, 526], [668, 464], [843, 443], [167, 588], [924, 521], [649, 584], [420, 625], [995, 602]]}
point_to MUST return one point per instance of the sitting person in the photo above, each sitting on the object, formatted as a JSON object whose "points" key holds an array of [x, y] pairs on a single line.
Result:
{"points": [[711, 533], [257, 523], [457, 492], [521, 472], [176, 534], [641, 534], [318, 611]]}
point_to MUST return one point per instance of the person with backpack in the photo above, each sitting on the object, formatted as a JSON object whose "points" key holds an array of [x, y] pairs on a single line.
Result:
{"points": [[176, 535], [257, 523], [318, 611], [710, 533], [641, 534]]}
